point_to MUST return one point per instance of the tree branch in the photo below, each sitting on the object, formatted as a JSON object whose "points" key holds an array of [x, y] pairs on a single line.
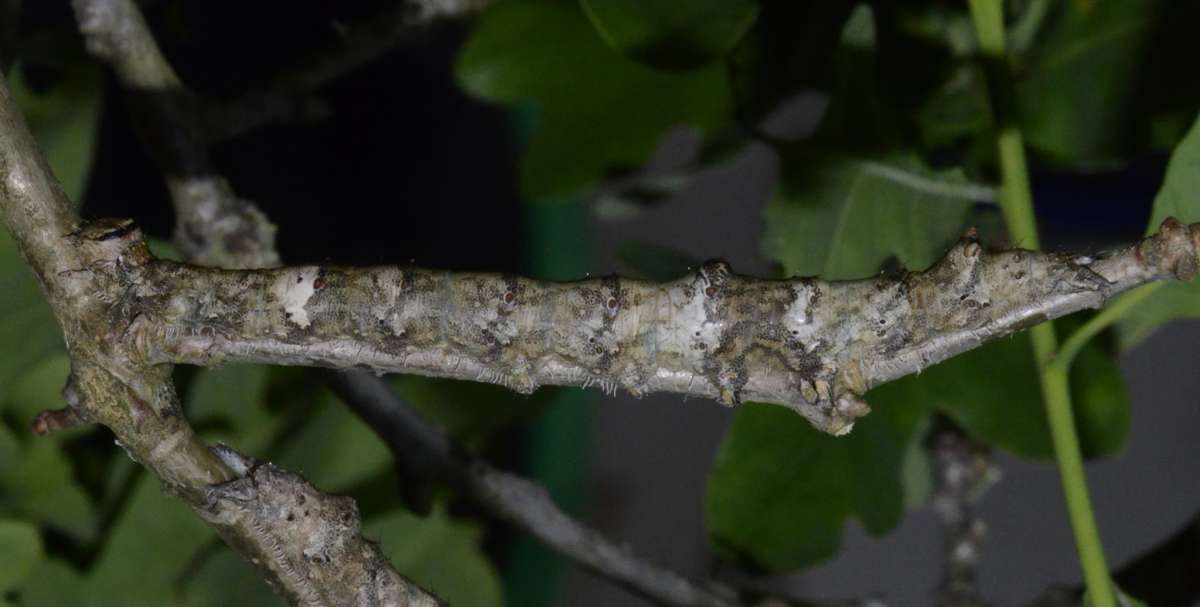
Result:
{"points": [[84, 269], [804, 343], [522, 503], [212, 225], [528, 506], [417, 447]]}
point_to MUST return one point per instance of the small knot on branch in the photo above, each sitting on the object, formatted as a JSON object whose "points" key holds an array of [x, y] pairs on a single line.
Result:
{"points": [[1173, 250], [113, 241], [53, 420], [70, 416]]}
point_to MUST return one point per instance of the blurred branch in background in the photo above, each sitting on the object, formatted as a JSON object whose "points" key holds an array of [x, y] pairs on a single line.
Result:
{"points": [[290, 95], [418, 446], [963, 472], [212, 225]]}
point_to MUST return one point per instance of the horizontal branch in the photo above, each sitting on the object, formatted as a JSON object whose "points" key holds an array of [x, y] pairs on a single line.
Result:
{"points": [[419, 449], [811, 345]]}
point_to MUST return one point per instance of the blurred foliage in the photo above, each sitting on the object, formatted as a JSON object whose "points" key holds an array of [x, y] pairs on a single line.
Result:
{"points": [[885, 182], [1098, 84], [669, 34], [599, 111], [81, 524], [1179, 197], [780, 491], [472, 413], [841, 218], [653, 262]]}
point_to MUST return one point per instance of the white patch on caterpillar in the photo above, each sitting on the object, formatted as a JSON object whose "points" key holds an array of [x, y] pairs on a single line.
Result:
{"points": [[688, 332], [798, 318], [293, 290]]}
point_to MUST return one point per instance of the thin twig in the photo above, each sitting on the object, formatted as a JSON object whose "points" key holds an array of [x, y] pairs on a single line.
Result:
{"points": [[518, 501]]}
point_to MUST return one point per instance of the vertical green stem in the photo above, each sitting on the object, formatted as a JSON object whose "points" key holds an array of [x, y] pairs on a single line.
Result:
{"points": [[1016, 202]]}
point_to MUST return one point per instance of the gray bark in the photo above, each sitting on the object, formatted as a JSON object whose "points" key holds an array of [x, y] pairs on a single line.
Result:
{"points": [[807, 344], [85, 270]]}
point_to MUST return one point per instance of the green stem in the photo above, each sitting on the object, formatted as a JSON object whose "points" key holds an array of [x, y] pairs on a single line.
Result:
{"points": [[1016, 201], [1057, 393], [1111, 313]]}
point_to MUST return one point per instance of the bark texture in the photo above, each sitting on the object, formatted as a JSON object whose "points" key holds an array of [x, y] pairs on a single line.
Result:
{"points": [[420, 451], [804, 343], [88, 270]]}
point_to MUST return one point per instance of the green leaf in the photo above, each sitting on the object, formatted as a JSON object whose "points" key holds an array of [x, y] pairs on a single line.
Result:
{"points": [[472, 413], [151, 545], [788, 50], [1105, 81], [439, 554], [64, 122], [10, 449], [780, 491], [28, 330], [655, 262], [672, 35], [916, 469], [957, 107], [41, 485], [38, 389], [435, 552], [860, 116], [20, 551], [1100, 401], [334, 450], [993, 393], [53, 582], [39, 480], [1178, 197], [227, 579], [842, 218], [599, 111], [1074, 101], [232, 398]]}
